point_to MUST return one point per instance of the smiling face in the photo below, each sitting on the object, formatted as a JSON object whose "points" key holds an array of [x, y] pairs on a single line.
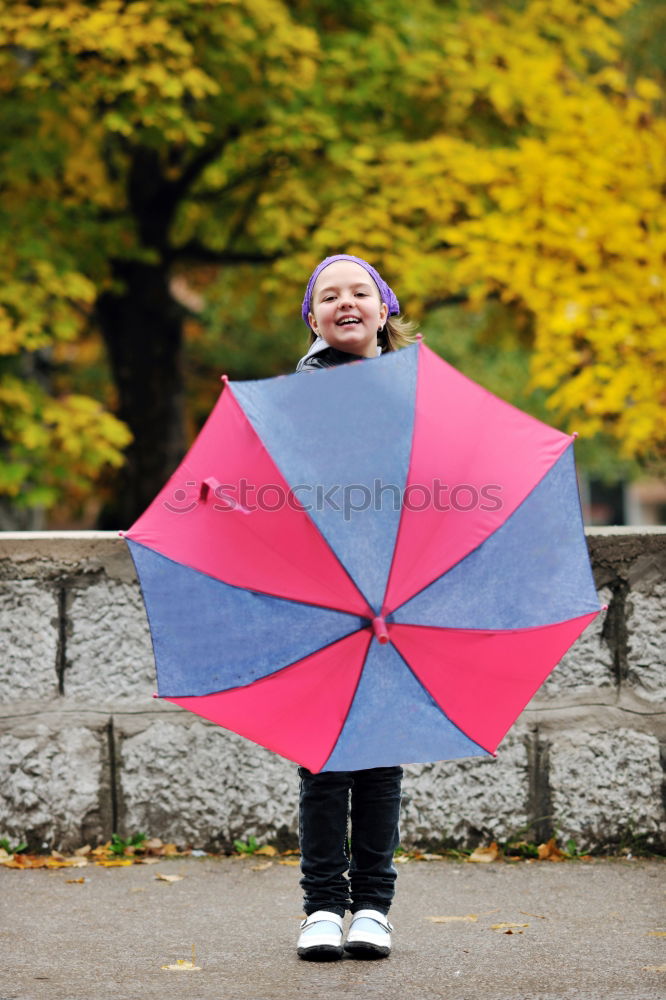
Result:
{"points": [[346, 308]]}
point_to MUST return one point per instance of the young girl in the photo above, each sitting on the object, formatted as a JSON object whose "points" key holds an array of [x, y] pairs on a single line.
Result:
{"points": [[352, 313]]}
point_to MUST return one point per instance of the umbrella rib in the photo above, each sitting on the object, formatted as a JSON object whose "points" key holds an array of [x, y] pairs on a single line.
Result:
{"points": [[480, 544], [302, 509], [288, 666], [384, 609], [351, 702], [330, 548], [256, 590], [521, 628], [439, 707]]}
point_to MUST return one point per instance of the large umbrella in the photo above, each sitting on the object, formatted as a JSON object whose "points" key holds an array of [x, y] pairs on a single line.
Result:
{"points": [[368, 565]]}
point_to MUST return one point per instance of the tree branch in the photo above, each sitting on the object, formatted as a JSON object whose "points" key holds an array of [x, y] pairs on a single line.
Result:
{"points": [[199, 252], [199, 162], [261, 170]]}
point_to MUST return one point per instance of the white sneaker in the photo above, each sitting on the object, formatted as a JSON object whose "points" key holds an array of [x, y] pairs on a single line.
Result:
{"points": [[369, 935], [321, 937]]}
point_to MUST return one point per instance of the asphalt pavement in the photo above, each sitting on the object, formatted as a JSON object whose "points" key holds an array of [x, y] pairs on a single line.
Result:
{"points": [[581, 930]]}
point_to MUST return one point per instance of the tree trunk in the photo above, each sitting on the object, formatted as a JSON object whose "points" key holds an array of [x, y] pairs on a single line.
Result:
{"points": [[143, 331]]}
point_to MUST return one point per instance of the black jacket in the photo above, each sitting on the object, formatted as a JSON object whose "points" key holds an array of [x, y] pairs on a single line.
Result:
{"points": [[331, 357]]}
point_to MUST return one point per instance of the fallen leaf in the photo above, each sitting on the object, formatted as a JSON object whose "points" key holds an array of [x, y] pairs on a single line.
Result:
{"points": [[81, 852], [66, 863], [402, 859], [507, 926], [550, 851], [153, 844], [169, 849], [537, 915], [184, 964], [26, 861], [471, 917], [115, 862], [76, 881], [289, 861], [657, 933], [147, 861], [655, 968], [484, 855], [262, 867], [267, 850], [428, 857], [168, 878], [294, 850]]}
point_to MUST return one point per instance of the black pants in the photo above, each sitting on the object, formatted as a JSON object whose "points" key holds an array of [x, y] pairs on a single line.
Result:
{"points": [[325, 848]]}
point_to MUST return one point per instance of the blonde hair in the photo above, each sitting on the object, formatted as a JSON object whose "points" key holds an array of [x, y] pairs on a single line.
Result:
{"points": [[397, 332]]}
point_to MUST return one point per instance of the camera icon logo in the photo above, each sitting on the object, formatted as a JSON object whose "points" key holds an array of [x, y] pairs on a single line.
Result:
{"points": [[181, 502]]}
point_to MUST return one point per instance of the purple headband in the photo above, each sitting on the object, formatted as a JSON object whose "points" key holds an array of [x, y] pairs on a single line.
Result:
{"points": [[386, 292]]}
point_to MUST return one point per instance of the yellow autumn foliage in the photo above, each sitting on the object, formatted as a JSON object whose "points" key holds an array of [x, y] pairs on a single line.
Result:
{"points": [[567, 220], [67, 440]]}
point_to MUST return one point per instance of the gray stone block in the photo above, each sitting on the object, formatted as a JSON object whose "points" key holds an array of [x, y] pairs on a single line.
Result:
{"points": [[467, 801], [28, 641], [195, 783], [646, 653], [586, 667], [51, 785], [606, 787], [109, 652]]}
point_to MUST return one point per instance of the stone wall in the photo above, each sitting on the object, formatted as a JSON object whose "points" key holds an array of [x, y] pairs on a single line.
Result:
{"points": [[85, 750]]}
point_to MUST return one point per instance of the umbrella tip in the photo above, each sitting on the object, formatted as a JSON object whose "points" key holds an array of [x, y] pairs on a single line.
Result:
{"points": [[575, 434], [604, 607], [225, 379], [419, 337], [380, 630], [121, 534], [155, 694]]}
